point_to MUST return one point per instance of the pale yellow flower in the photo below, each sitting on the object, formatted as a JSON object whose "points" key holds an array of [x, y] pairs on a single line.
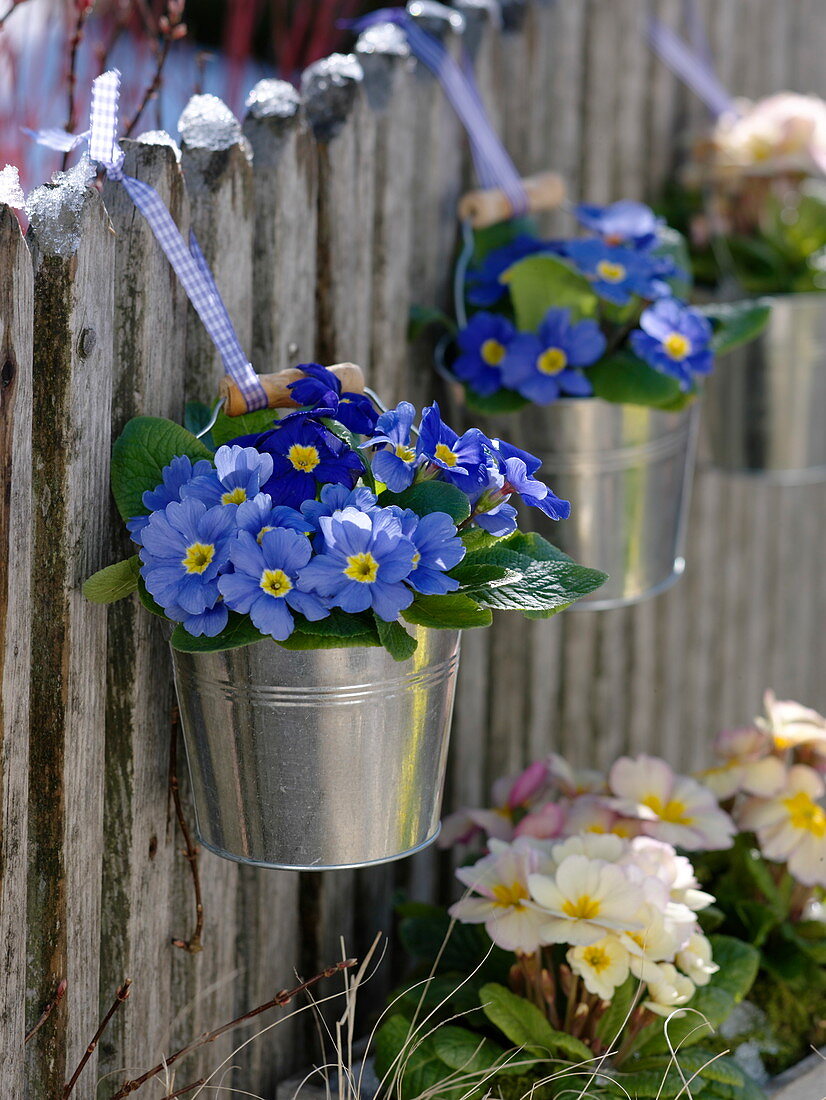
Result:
{"points": [[791, 826], [584, 900], [790, 725], [667, 990], [695, 959], [603, 966]]}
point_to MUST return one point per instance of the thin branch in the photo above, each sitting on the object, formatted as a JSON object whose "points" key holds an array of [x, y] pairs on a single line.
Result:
{"points": [[187, 1088], [194, 944], [171, 29], [279, 1000], [48, 1010], [15, 5], [84, 7], [120, 997]]}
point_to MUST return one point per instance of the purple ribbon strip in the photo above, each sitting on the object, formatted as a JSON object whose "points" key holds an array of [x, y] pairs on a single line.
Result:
{"points": [[693, 69], [493, 165], [188, 263]]}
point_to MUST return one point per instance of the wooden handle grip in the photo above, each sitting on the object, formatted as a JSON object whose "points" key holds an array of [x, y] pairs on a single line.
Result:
{"points": [[276, 387], [483, 208]]}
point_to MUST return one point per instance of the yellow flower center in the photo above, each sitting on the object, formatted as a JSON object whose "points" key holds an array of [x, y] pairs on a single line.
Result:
{"points": [[444, 454], [552, 361], [512, 895], [303, 458], [583, 908], [236, 496], [406, 454], [805, 814], [677, 346], [362, 567], [275, 582], [492, 352], [259, 538], [610, 272], [673, 811], [417, 557], [198, 556], [597, 958]]}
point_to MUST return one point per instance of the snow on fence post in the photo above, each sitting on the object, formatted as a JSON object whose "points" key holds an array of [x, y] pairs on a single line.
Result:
{"points": [[285, 188], [73, 248], [142, 863], [16, 306]]}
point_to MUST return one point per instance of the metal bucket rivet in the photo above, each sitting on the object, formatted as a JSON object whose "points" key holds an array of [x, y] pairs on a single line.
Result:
{"points": [[311, 760], [766, 401]]}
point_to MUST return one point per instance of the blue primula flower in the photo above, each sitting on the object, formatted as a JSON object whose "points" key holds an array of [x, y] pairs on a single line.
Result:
{"points": [[545, 365], [675, 340], [364, 564], [395, 463], [176, 475], [628, 223], [489, 504], [336, 497], [305, 455], [184, 548], [259, 515], [459, 459], [510, 470], [238, 475], [321, 392], [266, 584], [483, 345], [618, 273], [484, 287], [438, 549]]}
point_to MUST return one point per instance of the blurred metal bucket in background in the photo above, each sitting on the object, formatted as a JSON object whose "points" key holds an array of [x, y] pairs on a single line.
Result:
{"points": [[311, 760], [627, 471], [765, 404]]}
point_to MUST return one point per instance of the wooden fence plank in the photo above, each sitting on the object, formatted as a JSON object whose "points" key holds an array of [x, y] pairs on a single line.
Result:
{"points": [[16, 315], [73, 249]]}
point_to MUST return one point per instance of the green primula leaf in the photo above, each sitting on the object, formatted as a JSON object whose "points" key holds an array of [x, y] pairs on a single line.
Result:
{"points": [[612, 1022], [624, 379], [114, 582], [503, 401], [238, 632], [736, 323], [758, 920], [469, 1052], [395, 639], [533, 546], [466, 950], [451, 612], [542, 282], [144, 447], [422, 317], [149, 602], [472, 575], [340, 624], [399, 1048], [545, 586], [476, 538], [196, 416], [226, 427], [700, 1060], [431, 496], [525, 1026], [738, 962], [498, 235], [298, 640]]}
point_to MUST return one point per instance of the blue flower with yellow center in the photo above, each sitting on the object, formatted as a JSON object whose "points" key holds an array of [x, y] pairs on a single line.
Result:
{"points": [[259, 515], [176, 475], [545, 365], [457, 459], [184, 548], [484, 287], [333, 499], [394, 464], [675, 340], [438, 549], [238, 475], [305, 456], [483, 346], [266, 583], [364, 563], [618, 273], [321, 392], [628, 223]]}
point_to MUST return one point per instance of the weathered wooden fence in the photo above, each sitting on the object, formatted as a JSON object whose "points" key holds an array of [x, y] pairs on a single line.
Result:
{"points": [[324, 220]]}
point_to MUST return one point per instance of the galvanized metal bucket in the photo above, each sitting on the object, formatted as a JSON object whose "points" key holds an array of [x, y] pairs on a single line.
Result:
{"points": [[628, 472], [319, 759], [766, 402]]}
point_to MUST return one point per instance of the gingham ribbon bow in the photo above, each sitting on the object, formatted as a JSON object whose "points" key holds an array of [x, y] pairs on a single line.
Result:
{"points": [[493, 165], [691, 63], [188, 263]]}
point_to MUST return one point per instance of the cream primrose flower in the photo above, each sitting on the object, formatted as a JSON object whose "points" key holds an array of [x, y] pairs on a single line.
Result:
{"points": [[791, 826], [583, 900], [658, 860], [504, 907], [668, 990], [605, 846], [781, 133], [745, 764], [603, 966], [671, 807], [666, 929], [791, 726], [573, 782], [695, 959], [591, 813]]}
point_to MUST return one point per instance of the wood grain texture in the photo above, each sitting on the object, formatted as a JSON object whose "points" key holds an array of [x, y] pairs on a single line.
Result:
{"points": [[74, 250], [16, 318]]}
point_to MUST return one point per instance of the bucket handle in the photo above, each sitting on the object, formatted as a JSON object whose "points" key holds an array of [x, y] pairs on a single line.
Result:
{"points": [[276, 387]]}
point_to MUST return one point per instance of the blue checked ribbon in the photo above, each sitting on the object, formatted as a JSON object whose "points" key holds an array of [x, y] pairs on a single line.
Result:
{"points": [[691, 64], [493, 165], [188, 263]]}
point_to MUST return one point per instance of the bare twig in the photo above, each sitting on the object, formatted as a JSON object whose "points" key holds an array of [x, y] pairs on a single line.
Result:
{"points": [[279, 1000], [14, 6], [83, 8], [171, 29], [187, 1088], [120, 997], [194, 944], [48, 1010]]}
